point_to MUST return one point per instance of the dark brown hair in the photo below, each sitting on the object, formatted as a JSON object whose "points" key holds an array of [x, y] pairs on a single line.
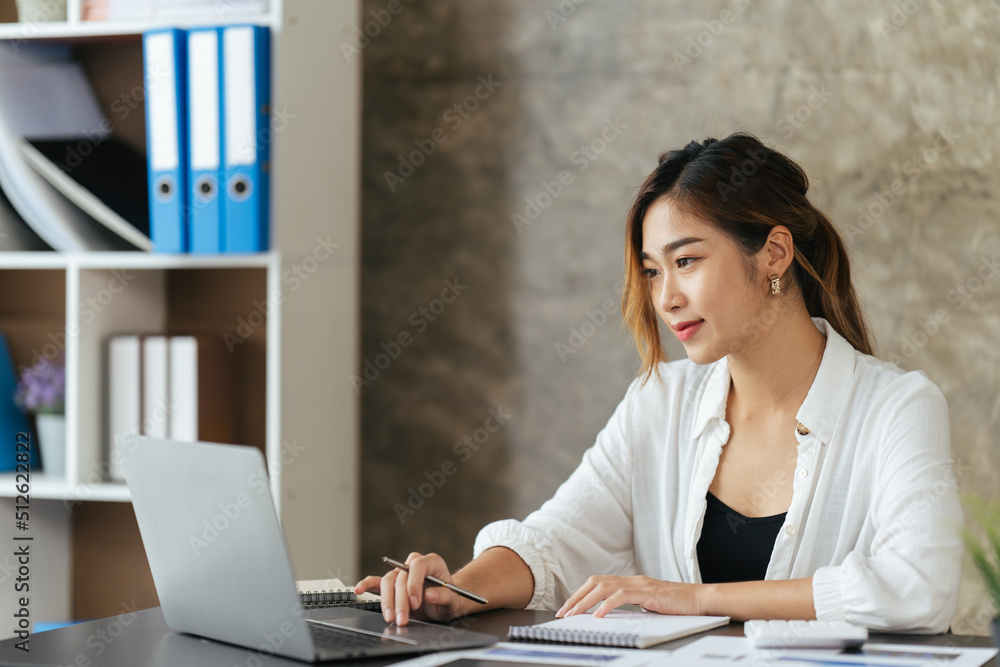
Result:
{"points": [[744, 189]]}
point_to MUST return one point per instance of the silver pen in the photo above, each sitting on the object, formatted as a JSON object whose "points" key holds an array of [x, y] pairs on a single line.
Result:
{"points": [[434, 580]]}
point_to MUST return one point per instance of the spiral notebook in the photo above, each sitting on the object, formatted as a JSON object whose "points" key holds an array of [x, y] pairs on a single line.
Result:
{"points": [[629, 629], [323, 593]]}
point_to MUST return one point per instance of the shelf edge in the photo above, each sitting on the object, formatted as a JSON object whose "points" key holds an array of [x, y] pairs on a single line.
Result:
{"points": [[47, 489], [68, 30]]}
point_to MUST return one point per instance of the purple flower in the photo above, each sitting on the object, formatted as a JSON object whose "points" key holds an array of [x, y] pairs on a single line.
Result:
{"points": [[43, 387]]}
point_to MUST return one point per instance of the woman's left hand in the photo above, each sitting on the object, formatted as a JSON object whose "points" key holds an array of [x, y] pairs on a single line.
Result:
{"points": [[664, 597]]}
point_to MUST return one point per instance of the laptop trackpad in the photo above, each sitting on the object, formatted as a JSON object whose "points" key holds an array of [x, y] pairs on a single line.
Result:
{"points": [[370, 622], [327, 613]]}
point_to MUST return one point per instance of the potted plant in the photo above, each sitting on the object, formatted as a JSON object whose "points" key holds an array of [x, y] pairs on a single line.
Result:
{"points": [[985, 554], [42, 392]]}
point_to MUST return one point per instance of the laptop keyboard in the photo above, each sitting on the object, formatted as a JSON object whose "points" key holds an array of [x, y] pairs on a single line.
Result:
{"points": [[326, 638]]}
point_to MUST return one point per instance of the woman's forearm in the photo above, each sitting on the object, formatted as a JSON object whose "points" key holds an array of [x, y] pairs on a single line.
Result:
{"points": [[745, 600], [500, 576]]}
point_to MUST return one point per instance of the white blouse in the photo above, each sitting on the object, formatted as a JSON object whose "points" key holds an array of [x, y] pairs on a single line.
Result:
{"points": [[875, 518]]}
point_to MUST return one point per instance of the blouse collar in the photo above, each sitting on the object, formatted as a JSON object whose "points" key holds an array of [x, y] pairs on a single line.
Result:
{"points": [[820, 409]]}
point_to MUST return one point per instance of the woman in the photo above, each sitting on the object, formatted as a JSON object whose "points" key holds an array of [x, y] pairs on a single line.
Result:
{"points": [[780, 471]]}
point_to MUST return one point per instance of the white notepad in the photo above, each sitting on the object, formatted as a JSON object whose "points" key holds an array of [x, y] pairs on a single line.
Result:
{"points": [[632, 629]]}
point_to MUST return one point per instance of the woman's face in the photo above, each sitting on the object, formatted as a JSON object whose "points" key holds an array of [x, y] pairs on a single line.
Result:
{"points": [[698, 284]]}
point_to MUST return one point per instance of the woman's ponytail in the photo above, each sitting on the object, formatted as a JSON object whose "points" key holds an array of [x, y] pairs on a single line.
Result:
{"points": [[825, 280]]}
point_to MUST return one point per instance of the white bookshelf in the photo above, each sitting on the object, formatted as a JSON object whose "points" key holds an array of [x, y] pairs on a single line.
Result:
{"points": [[298, 362], [75, 28]]}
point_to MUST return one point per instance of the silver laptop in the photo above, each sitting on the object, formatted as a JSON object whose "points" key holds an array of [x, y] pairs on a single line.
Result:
{"points": [[220, 564]]}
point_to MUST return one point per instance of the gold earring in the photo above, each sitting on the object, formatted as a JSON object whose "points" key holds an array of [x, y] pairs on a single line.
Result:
{"points": [[775, 284]]}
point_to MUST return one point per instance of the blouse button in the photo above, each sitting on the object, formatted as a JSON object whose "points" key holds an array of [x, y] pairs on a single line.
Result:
{"points": [[802, 429], [789, 530], [803, 473]]}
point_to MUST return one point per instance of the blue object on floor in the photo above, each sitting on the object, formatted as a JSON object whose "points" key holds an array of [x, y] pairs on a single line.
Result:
{"points": [[53, 625]]}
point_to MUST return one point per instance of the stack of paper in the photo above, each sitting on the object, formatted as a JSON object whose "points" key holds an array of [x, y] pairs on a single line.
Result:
{"points": [[714, 651]]}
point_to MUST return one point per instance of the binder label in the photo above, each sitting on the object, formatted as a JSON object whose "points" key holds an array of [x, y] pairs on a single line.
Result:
{"points": [[161, 100], [203, 47], [240, 97]]}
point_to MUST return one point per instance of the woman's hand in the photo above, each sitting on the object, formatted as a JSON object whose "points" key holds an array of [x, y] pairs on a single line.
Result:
{"points": [[664, 597], [404, 595]]}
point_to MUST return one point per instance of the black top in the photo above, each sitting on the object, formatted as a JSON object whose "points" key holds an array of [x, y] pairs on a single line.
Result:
{"points": [[734, 547]]}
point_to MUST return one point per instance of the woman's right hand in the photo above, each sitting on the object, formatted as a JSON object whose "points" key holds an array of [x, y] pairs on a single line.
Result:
{"points": [[406, 594]]}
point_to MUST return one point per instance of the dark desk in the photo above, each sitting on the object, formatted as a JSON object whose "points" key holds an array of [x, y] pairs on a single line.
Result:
{"points": [[144, 639]]}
